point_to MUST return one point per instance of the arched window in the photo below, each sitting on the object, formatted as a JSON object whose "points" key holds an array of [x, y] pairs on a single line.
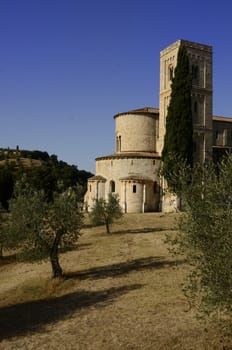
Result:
{"points": [[195, 107], [195, 73], [119, 143], [112, 186], [171, 72]]}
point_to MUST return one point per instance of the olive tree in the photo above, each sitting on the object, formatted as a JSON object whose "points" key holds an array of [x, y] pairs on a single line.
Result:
{"points": [[205, 235], [105, 212], [38, 228]]}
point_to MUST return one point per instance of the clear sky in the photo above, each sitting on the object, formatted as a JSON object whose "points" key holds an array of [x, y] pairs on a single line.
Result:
{"points": [[68, 66]]}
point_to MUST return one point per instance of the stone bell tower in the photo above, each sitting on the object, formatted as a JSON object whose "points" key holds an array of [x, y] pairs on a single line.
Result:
{"points": [[200, 59]]}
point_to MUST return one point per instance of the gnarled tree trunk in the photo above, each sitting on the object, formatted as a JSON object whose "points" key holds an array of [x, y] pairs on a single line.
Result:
{"points": [[107, 226], [54, 257]]}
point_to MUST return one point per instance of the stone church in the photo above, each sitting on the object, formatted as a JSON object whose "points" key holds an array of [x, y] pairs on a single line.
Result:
{"points": [[132, 171]]}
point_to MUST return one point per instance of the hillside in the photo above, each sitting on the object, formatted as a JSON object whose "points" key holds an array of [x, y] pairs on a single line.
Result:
{"points": [[16, 155], [41, 170], [20, 161], [26, 158]]}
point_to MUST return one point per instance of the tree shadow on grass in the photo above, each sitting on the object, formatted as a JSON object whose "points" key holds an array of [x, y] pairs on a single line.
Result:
{"points": [[77, 247], [33, 316], [119, 269], [7, 259], [143, 230]]}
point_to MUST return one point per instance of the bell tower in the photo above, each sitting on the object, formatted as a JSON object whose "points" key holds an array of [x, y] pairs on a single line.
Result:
{"points": [[200, 60]]}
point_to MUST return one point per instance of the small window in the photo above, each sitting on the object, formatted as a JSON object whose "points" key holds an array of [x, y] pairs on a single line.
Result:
{"points": [[217, 134], [90, 188], [134, 188], [195, 72], [171, 72], [119, 143], [112, 186], [195, 108]]}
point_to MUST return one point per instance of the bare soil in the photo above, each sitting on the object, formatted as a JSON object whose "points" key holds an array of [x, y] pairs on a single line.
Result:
{"points": [[120, 291]]}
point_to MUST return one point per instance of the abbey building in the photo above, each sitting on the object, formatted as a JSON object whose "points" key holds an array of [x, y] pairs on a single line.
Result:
{"points": [[132, 171]]}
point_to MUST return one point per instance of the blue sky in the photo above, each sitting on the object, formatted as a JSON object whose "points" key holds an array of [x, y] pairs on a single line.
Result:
{"points": [[68, 66]]}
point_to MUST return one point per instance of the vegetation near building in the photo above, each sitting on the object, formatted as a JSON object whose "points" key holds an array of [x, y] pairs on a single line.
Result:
{"points": [[205, 235], [178, 144], [38, 228], [105, 212]]}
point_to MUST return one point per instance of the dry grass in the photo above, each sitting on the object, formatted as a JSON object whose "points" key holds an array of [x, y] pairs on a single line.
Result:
{"points": [[121, 291]]}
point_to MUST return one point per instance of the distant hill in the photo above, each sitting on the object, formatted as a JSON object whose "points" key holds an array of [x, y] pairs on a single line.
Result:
{"points": [[26, 162], [41, 170], [27, 157]]}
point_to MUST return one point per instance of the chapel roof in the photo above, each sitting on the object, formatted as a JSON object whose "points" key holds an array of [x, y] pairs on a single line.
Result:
{"points": [[151, 111], [136, 177], [155, 112], [222, 119], [97, 178], [122, 155]]}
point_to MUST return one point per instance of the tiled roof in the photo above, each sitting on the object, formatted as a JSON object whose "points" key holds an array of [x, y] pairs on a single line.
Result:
{"points": [[122, 155], [136, 178], [143, 111], [222, 119], [97, 178]]}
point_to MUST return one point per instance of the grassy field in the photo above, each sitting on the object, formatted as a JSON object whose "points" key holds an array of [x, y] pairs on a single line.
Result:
{"points": [[121, 291]]}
